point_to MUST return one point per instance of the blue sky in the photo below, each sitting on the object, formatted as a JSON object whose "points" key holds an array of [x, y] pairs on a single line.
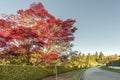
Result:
{"points": [[98, 21]]}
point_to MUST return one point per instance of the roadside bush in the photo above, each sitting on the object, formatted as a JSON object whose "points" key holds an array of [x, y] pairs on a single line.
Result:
{"points": [[63, 69], [114, 63]]}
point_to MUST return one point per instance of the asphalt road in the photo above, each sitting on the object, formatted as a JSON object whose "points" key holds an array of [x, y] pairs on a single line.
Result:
{"points": [[96, 73]]}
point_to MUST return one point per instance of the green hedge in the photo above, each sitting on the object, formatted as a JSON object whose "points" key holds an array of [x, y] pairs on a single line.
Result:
{"points": [[10, 72], [15, 72], [63, 69]]}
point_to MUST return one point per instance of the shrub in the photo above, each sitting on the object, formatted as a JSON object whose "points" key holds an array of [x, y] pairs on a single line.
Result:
{"points": [[10, 72]]}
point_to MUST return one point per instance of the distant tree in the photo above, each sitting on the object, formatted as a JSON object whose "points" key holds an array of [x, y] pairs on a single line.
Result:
{"points": [[83, 57], [96, 57], [88, 58], [101, 57]]}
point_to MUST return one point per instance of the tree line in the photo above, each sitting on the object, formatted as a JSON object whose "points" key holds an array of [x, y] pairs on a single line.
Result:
{"points": [[89, 60]]}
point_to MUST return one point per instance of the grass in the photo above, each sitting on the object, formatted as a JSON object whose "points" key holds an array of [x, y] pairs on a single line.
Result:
{"points": [[73, 75], [110, 69]]}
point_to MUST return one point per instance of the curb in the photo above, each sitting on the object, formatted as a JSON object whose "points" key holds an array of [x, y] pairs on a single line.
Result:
{"points": [[82, 76]]}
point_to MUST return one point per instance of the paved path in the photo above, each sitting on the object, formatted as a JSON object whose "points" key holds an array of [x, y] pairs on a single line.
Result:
{"points": [[97, 74]]}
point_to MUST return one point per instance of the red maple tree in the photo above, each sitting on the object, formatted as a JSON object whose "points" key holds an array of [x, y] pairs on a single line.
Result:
{"points": [[34, 29]]}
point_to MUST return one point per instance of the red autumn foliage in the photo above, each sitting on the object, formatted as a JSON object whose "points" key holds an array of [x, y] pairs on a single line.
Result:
{"points": [[48, 58], [33, 29]]}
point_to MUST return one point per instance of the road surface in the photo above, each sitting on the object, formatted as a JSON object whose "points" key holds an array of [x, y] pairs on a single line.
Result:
{"points": [[96, 73]]}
